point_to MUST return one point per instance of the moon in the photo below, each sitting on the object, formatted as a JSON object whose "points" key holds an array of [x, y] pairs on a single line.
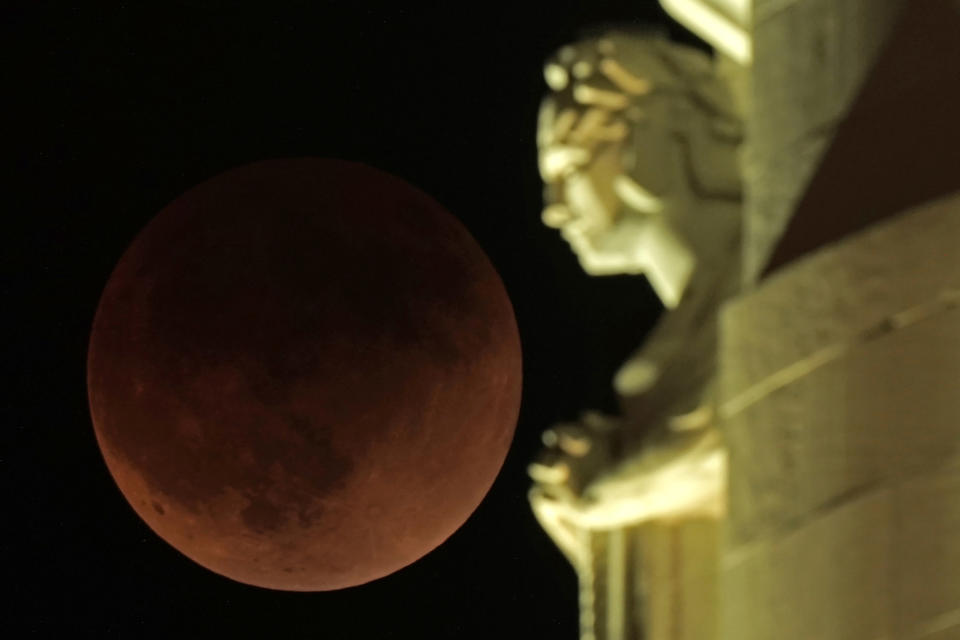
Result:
{"points": [[304, 374]]}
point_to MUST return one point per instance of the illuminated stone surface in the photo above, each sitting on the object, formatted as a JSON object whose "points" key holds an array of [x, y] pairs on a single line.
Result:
{"points": [[839, 379], [835, 391]]}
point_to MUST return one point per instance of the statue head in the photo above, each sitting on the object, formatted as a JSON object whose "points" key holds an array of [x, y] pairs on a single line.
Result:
{"points": [[615, 138]]}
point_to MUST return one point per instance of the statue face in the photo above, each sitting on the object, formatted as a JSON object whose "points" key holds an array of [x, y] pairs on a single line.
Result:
{"points": [[614, 140], [579, 174], [584, 134], [584, 138]]}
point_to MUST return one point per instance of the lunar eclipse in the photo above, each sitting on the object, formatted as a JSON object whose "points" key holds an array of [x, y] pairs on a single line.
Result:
{"points": [[304, 374]]}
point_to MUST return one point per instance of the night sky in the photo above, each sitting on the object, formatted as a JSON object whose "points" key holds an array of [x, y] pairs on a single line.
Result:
{"points": [[118, 112]]}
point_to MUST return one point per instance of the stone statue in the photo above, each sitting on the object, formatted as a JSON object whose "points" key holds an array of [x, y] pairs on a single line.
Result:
{"points": [[638, 145], [637, 135], [638, 149]]}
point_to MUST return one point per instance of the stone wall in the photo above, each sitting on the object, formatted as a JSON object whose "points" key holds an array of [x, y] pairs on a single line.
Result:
{"points": [[840, 384]]}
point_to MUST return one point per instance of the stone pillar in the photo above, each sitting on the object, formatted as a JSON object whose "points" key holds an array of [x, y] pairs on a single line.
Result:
{"points": [[810, 59], [677, 576], [653, 580]]}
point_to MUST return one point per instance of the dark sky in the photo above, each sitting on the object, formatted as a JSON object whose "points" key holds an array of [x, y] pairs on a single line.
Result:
{"points": [[118, 112]]}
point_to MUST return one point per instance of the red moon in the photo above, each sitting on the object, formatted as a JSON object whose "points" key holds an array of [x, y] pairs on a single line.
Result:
{"points": [[304, 374]]}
